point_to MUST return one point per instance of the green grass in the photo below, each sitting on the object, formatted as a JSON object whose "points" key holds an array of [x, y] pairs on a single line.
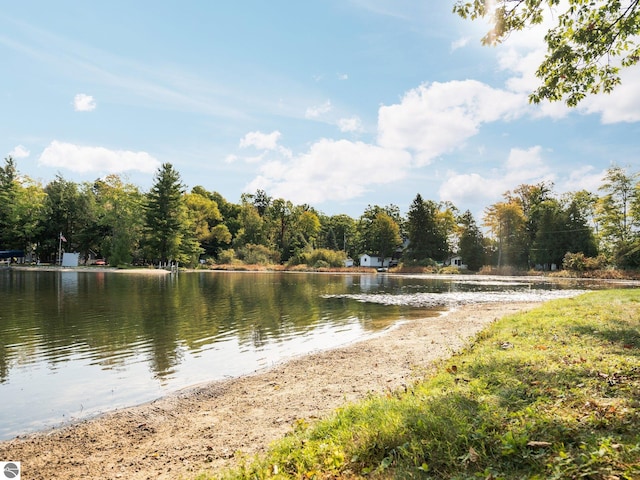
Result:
{"points": [[552, 393]]}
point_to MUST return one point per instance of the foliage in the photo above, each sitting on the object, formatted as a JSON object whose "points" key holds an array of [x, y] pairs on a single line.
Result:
{"points": [[552, 393], [579, 262], [258, 255], [587, 44], [320, 258], [426, 230], [618, 219], [338, 232], [169, 231], [118, 207], [506, 221], [471, 244], [113, 219]]}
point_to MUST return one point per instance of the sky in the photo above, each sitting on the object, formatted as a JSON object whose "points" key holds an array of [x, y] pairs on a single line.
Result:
{"points": [[338, 104]]}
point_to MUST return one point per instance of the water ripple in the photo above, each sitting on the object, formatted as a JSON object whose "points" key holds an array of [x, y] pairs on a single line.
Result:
{"points": [[452, 299]]}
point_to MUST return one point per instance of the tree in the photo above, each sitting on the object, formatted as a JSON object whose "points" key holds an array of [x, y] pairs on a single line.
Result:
{"points": [[338, 232], [169, 233], [206, 221], [365, 241], [587, 45], [549, 243], [385, 233], [62, 213], [580, 237], [120, 208], [615, 215], [308, 227], [471, 243], [506, 222], [427, 237], [21, 207]]}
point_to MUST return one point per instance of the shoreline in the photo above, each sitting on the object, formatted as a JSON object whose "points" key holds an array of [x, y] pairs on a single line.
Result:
{"points": [[204, 427]]}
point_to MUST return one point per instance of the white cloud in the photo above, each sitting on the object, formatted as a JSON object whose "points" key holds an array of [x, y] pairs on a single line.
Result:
{"points": [[622, 104], [582, 178], [265, 142], [318, 110], [435, 119], [84, 103], [522, 53], [78, 158], [521, 167], [460, 43], [261, 141], [332, 170], [352, 124], [343, 76], [20, 151]]}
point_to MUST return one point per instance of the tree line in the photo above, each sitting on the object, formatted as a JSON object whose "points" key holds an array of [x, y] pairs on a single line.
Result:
{"points": [[530, 227]]}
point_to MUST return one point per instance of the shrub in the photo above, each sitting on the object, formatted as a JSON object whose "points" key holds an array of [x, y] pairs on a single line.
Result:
{"points": [[578, 262], [449, 270], [227, 256], [258, 255], [322, 258]]}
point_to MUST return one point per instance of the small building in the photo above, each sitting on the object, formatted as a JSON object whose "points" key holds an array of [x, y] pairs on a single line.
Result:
{"points": [[348, 262], [367, 260], [455, 261]]}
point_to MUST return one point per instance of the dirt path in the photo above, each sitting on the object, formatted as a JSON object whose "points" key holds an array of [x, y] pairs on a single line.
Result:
{"points": [[203, 428]]}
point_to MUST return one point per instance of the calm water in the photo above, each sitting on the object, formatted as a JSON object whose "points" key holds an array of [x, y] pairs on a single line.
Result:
{"points": [[73, 344]]}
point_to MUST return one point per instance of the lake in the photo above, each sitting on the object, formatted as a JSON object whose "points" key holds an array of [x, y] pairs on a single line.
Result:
{"points": [[77, 343]]}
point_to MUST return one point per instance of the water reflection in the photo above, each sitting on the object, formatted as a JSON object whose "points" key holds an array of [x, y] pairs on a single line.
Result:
{"points": [[75, 343]]}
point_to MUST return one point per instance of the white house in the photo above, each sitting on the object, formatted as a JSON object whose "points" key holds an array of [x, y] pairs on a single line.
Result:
{"points": [[367, 260], [455, 261], [348, 262]]}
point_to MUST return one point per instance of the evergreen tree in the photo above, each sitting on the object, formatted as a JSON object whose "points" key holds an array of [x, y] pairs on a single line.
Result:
{"points": [[471, 244], [427, 236], [166, 226]]}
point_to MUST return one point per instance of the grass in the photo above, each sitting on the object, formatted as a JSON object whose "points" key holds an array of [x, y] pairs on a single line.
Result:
{"points": [[549, 394]]}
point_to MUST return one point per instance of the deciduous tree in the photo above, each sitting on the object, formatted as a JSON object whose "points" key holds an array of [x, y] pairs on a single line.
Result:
{"points": [[587, 44]]}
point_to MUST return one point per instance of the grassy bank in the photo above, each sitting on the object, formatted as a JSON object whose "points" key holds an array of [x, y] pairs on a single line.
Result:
{"points": [[553, 393]]}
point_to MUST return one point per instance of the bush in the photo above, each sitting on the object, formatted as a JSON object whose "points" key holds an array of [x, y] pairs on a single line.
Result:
{"points": [[578, 262], [227, 256], [321, 258], [449, 270], [258, 255]]}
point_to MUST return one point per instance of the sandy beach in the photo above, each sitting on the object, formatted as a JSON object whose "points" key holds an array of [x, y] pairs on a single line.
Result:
{"points": [[205, 428]]}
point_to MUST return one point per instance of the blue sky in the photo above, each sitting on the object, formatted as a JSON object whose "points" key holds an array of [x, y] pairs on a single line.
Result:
{"points": [[335, 103]]}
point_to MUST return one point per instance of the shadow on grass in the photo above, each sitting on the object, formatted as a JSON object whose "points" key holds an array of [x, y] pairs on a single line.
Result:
{"points": [[625, 338]]}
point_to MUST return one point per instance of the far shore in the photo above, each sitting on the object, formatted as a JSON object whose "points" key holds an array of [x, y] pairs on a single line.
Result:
{"points": [[630, 280]]}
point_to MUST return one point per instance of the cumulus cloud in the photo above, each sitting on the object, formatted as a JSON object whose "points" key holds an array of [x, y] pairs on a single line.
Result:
{"points": [[332, 170], [266, 143], [261, 141], [622, 104], [583, 178], [318, 110], [523, 166], [19, 151], [436, 118], [83, 159], [84, 103], [521, 55]]}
